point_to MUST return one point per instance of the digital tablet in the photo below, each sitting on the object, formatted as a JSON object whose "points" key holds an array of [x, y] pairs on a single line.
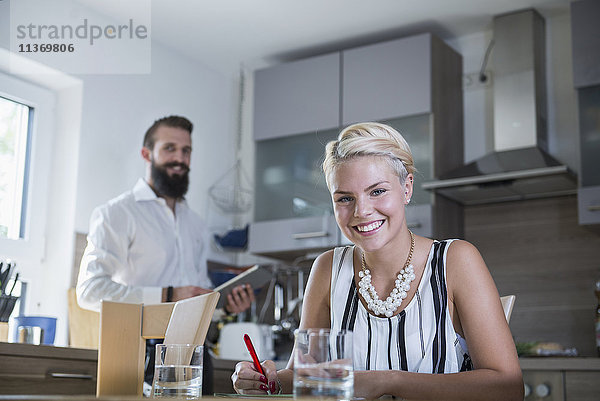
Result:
{"points": [[256, 276]]}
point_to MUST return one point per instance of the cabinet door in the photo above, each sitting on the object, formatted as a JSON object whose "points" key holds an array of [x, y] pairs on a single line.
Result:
{"points": [[582, 386], [543, 385], [418, 219], [589, 135], [297, 97], [31, 375], [586, 42], [288, 177], [387, 80], [285, 235], [588, 199]]}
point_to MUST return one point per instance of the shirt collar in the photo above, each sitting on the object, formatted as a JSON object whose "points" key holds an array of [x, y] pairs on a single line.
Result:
{"points": [[142, 191]]}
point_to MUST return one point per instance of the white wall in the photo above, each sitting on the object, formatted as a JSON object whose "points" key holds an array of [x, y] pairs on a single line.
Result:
{"points": [[118, 109]]}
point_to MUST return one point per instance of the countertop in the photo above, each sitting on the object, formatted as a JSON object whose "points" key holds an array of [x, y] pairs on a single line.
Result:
{"points": [[565, 363], [47, 351]]}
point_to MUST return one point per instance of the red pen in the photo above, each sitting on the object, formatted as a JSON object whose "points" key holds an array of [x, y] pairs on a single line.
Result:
{"points": [[252, 352]]}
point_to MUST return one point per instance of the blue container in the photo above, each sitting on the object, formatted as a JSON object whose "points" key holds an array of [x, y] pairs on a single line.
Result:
{"points": [[48, 324]]}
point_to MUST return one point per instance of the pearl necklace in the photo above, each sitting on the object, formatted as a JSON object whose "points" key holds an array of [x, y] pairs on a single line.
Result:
{"points": [[388, 306]]}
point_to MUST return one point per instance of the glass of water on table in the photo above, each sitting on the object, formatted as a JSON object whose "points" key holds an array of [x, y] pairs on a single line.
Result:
{"points": [[178, 371], [323, 364]]}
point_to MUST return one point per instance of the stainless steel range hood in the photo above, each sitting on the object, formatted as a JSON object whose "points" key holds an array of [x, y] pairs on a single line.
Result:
{"points": [[520, 167]]}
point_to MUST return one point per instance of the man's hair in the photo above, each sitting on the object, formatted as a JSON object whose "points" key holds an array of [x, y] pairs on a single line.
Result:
{"points": [[170, 121]]}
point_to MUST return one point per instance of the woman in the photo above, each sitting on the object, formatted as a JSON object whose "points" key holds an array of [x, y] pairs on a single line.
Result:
{"points": [[443, 312]]}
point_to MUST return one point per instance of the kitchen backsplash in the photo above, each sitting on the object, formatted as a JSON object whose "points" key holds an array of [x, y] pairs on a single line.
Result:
{"points": [[536, 250]]}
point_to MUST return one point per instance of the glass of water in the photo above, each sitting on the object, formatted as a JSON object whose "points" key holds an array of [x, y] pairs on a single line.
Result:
{"points": [[323, 364], [178, 371]]}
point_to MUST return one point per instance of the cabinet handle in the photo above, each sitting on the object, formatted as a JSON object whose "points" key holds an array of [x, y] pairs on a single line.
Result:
{"points": [[414, 225], [314, 234], [72, 376], [594, 208]]}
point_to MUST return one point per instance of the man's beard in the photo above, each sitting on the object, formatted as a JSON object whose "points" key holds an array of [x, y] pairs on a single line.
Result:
{"points": [[171, 186]]}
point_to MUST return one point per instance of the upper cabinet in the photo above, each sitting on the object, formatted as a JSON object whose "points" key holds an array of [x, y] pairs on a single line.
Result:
{"points": [[589, 142], [405, 77], [413, 84], [585, 42], [387, 80], [586, 78], [297, 97]]}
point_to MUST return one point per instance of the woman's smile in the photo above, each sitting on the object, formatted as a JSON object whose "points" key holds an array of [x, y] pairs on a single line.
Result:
{"points": [[369, 228]]}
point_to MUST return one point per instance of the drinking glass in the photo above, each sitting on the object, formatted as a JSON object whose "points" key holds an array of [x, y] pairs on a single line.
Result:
{"points": [[178, 371], [323, 364]]}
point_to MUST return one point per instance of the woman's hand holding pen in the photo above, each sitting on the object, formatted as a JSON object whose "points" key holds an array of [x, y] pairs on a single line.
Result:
{"points": [[248, 380]]}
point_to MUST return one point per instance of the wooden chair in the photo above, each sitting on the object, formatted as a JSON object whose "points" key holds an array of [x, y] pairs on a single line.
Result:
{"points": [[83, 324], [508, 302], [124, 328]]}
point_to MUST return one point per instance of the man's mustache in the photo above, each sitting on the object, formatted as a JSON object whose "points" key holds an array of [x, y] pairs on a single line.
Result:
{"points": [[175, 164]]}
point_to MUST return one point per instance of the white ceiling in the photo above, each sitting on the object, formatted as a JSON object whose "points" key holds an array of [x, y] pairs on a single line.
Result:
{"points": [[226, 33]]}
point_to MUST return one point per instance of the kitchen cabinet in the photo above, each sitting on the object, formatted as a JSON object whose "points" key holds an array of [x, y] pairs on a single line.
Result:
{"points": [[288, 177], [387, 80], [41, 369], [585, 42], [297, 97], [561, 379], [291, 238], [406, 77], [588, 201], [293, 213], [413, 84], [586, 78], [588, 194]]}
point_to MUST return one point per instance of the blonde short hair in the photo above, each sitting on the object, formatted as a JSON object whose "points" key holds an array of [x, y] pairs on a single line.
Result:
{"points": [[369, 139]]}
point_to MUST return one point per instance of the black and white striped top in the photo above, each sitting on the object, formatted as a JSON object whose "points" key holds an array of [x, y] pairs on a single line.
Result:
{"points": [[421, 338]]}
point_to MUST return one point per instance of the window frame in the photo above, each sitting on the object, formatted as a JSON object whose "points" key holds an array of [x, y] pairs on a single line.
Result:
{"points": [[40, 148], [24, 184]]}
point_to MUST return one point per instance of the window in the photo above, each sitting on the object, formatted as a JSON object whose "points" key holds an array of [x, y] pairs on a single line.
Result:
{"points": [[15, 135]]}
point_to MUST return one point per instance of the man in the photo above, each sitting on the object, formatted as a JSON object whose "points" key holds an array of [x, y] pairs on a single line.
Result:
{"points": [[147, 245]]}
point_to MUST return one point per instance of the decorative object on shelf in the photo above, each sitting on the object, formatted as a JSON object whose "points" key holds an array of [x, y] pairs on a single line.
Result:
{"points": [[229, 192], [541, 348], [236, 239]]}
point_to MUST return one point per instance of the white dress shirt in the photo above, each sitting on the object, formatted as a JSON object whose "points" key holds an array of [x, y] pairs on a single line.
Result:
{"points": [[137, 246]]}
